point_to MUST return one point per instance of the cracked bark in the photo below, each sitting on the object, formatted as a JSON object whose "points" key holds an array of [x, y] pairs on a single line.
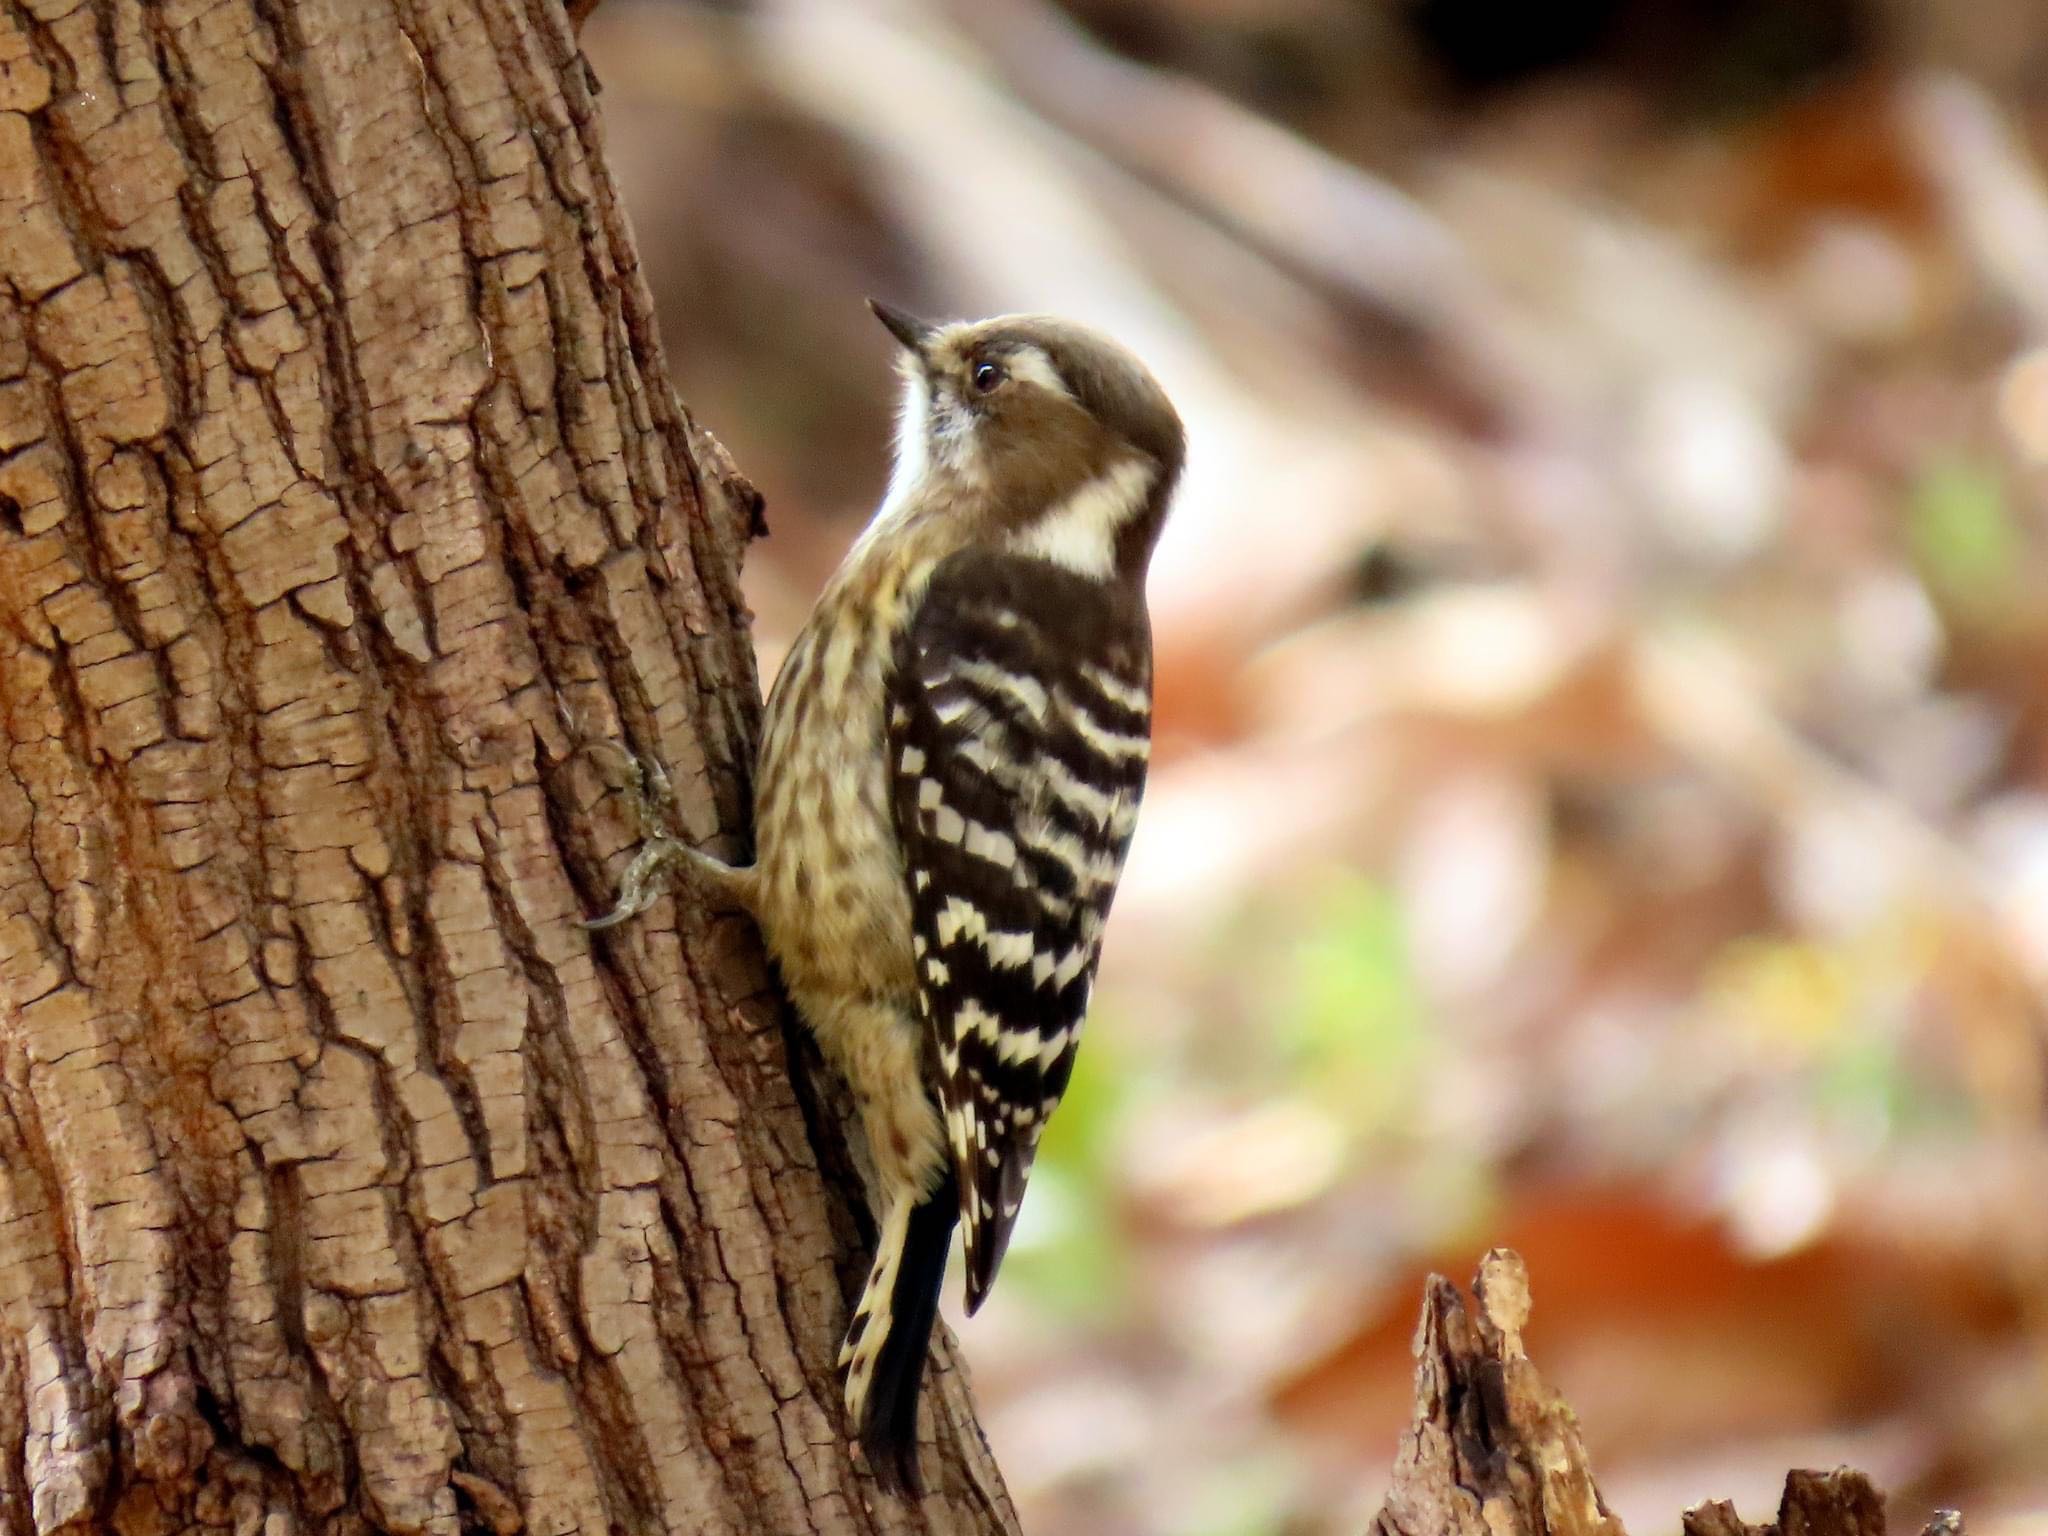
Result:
{"points": [[1493, 1451], [346, 1184]]}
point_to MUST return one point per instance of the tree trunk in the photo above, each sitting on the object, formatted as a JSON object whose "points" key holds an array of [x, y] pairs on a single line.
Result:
{"points": [[346, 1184]]}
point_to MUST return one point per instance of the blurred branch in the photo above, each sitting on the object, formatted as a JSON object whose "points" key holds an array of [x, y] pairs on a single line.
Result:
{"points": [[1694, 694], [1363, 244], [1991, 186], [1589, 349], [1369, 243], [1494, 1451]]}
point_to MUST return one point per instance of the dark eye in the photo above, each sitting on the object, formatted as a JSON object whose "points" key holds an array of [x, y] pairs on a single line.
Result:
{"points": [[988, 375]]}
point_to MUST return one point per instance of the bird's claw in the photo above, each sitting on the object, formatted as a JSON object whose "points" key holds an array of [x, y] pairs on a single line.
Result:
{"points": [[663, 850], [647, 787], [652, 801], [643, 881]]}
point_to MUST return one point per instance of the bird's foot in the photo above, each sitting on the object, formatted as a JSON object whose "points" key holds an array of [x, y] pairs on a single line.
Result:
{"points": [[645, 879], [662, 852]]}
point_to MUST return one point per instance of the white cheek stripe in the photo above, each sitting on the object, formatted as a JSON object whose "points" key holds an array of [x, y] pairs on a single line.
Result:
{"points": [[1030, 365], [1080, 532]]}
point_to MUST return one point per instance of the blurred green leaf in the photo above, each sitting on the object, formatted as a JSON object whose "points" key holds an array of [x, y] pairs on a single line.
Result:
{"points": [[1827, 1015], [1864, 1081], [1354, 1029], [1451, 1200], [1242, 1496], [1964, 532], [1068, 1253], [1872, 1078]]}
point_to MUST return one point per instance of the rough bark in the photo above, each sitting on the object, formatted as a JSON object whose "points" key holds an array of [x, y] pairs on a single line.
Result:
{"points": [[346, 1184], [1494, 1451]]}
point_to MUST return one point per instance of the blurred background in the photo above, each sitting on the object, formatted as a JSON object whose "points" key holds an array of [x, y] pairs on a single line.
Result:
{"points": [[1601, 794]]}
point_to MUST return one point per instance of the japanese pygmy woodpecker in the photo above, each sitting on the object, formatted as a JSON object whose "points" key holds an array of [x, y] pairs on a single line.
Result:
{"points": [[949, 777]]}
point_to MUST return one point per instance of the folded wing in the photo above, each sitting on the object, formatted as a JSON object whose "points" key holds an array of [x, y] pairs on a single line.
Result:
{"points": [[1020, 729]]}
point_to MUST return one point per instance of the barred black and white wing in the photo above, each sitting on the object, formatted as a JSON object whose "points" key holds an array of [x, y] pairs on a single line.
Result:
{"points": [[1020, 726]]}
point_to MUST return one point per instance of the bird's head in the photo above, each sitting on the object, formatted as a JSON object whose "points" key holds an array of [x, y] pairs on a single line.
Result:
{"points": [[1056, 435]]}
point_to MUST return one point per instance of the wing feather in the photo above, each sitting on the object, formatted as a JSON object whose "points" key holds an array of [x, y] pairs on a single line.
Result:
{"points": [[1019, 732]]}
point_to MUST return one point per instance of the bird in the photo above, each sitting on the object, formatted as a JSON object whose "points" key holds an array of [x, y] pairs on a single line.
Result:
{"points": [[952, 759]]}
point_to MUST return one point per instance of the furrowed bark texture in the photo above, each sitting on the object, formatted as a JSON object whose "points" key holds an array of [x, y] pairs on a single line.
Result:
{"points": [[346, 1184], [1494, 1451]]}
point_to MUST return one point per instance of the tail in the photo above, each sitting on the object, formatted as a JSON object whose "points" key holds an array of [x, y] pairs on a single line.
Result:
{"points": [[892, 1331]]}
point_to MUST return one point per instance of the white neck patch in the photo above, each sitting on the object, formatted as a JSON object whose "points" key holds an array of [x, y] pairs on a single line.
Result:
{"points": [[1079, 532], [913, 455], [913, 430]]}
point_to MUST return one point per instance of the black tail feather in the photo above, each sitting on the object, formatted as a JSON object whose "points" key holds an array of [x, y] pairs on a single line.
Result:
{"points": [[888, 1429]]}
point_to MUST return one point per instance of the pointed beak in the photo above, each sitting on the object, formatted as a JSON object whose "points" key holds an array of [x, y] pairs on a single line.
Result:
{"points": [[908, 329]]}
